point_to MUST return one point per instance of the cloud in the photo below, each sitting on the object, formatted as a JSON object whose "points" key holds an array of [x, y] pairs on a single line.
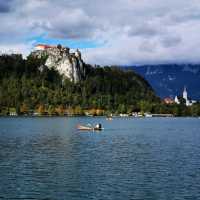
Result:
{"points": [[16, 48], [170, 41], [76, 25], [5, 6], [127, 31]]}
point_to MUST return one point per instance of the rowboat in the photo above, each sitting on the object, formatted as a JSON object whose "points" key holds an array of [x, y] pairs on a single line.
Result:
{"points": [[89, 128]]}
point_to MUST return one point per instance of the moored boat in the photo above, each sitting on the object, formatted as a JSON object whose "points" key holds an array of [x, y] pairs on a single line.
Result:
{"points": [[109, 118]]}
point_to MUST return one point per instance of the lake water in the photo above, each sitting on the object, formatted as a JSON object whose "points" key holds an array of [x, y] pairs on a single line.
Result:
{"points": [[151, 158]]}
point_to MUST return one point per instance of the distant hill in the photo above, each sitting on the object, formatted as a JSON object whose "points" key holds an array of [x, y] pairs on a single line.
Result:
{"points": [[169, 79], [28, 84]]}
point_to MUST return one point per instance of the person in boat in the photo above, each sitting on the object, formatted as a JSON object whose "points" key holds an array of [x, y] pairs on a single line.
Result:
{"points": [[98, 126]]}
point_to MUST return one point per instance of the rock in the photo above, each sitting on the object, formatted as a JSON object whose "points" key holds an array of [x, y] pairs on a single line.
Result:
{"points": [[68, 64]]}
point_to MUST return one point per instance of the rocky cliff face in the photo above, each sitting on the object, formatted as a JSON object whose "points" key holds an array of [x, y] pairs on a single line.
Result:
{"points": [[69, 64]]}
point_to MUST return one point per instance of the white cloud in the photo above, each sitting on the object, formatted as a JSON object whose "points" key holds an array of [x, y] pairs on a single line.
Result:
{"points": [[131, 31], [16, 48]]}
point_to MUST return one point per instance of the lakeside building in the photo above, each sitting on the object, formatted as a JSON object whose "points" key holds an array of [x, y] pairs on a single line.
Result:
{"points": [[188, 102], [168, 100]]}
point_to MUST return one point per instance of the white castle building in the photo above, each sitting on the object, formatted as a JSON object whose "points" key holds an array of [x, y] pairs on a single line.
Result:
{"points": [[185, 96]]}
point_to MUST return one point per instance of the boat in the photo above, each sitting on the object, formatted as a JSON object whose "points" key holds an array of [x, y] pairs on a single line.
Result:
{"points": [[148, 115], [109, 118], [85, 128], [98, 127]]}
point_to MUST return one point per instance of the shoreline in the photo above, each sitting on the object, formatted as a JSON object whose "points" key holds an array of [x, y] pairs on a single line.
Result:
{"points": [[84, 116]]}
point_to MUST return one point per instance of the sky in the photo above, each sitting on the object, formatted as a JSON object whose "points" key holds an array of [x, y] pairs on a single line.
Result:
{"points": [[108, 32]]}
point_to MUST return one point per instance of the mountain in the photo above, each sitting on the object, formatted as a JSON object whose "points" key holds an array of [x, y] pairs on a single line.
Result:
{"points": [[170, 79]]}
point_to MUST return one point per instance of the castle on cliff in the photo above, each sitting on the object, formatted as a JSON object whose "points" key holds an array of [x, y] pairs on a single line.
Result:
{"points": [[60, 58]]}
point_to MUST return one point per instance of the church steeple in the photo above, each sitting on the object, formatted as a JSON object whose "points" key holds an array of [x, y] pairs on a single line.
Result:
{"points": [[185, 94]]}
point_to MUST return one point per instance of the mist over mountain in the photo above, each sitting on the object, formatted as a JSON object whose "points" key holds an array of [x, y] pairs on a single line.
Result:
{"points": [[170, 79]]}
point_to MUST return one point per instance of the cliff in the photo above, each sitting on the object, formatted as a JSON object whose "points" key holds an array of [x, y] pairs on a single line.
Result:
{"points": [[68, 64]]}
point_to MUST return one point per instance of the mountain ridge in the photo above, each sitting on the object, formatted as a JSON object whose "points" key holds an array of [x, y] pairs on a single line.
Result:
{"points": [[170, 79]]}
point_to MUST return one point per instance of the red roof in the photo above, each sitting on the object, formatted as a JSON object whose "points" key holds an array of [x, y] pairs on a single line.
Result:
{"points": [[44, 46], [168, 100]]}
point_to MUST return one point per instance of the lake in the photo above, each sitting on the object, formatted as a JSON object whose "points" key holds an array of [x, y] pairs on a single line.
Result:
{"points": [[150, 158]]}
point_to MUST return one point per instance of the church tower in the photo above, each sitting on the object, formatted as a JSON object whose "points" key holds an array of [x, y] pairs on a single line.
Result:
{"points": [[185, 94]]}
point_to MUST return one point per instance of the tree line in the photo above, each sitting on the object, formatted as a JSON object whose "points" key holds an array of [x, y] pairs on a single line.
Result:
{"points": [[27, 86]]}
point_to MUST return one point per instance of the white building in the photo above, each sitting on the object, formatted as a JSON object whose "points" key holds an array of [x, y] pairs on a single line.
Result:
{"points": [[185, 96], [176, 100]]}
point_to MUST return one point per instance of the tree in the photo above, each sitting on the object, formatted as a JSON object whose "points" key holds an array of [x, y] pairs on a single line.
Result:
{"points": [[122, 108], [51, 110], [41, 109], [78, 110], [24, 109], [60, 110], [145, 106]]}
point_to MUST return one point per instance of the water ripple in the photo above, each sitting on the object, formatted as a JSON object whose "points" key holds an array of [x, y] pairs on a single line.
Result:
{"points": [[47, 159]]}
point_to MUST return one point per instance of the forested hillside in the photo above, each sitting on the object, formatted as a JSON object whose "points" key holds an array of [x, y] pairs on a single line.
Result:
{"points": [[27, 86]]}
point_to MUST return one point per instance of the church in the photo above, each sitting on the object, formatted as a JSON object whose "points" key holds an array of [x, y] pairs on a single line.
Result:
{"points": [[185, 96]]}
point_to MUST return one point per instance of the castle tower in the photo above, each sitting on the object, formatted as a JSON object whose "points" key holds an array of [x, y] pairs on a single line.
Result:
{"points": [[78, 53], [185, 94]]}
